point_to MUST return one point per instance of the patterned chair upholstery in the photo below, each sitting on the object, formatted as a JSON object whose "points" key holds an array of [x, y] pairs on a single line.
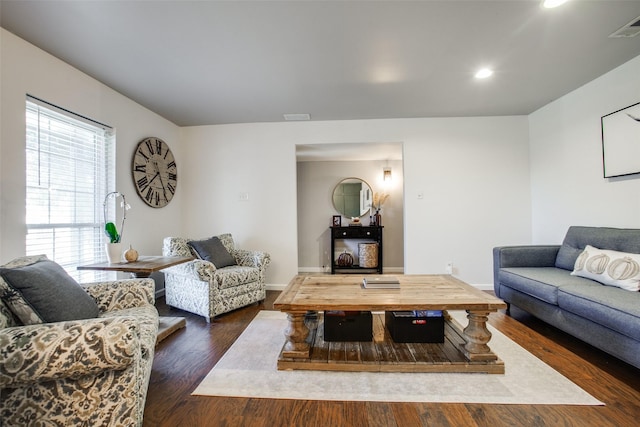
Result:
{"points": [[91, 372], [199, 287]]}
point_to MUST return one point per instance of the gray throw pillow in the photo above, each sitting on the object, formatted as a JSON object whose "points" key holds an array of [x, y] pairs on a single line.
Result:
{"points": [[51, 292], [213, 250]]}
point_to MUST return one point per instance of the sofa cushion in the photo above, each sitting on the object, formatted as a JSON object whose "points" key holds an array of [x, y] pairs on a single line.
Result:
{"points": [[577, 238], [611, 307], [539, 282], [612, 268], [214, 251], [51, 292], [236, 275]]}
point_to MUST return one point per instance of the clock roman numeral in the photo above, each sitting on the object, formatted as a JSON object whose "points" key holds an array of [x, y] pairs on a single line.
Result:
{"points": [[149, 196], [141, 168], [172, 176], [149, 146], [142, 154], [142, 182], [171, 188], [172, 164], [158, 146]]}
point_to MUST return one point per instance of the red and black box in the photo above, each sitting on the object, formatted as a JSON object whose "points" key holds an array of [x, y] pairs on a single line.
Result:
{"points": [[418, 326], [348, 326]]}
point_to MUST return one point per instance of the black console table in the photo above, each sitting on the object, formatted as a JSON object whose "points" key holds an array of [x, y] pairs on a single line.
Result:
{"points": [[373, 234]]}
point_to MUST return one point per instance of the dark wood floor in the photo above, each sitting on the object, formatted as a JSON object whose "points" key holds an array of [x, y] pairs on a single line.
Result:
{"points": [[185, 358]]}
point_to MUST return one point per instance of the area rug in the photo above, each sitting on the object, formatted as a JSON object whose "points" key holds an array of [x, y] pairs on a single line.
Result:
{"points": [[249, 369]]}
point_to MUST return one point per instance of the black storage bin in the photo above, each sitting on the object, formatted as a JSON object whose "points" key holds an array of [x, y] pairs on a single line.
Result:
{"points": [[348, 326], [419, 326]]}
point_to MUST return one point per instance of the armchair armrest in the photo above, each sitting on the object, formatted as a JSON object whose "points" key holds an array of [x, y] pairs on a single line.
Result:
{"points": [[199, 268], [249, 258], [73, 349], [122, 294]]}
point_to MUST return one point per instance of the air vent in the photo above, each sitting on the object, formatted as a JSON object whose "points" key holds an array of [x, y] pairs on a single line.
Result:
{"points": [[632, 29]]}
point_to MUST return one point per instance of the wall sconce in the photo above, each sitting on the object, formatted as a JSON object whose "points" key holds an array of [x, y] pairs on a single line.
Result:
{"points": [[386, 174]]}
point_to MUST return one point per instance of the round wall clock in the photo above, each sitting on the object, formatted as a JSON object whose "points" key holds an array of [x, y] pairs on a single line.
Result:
{"points": [[155, 174]]}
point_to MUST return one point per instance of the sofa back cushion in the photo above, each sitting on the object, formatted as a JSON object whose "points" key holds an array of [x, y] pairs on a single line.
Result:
{"points": [[578, 237]]}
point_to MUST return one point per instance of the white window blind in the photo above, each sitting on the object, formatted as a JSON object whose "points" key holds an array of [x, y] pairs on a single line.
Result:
{"points": [[70, 168]]}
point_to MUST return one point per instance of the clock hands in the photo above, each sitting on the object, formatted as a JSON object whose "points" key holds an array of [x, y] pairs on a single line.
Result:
{"points": [[154, 177], [164, 190]]}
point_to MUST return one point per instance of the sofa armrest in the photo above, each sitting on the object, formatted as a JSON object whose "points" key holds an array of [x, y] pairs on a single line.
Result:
{"points": [[198, 268], [249, 258], [525, 256], [522, 256], [121, 294], [52, 351]]}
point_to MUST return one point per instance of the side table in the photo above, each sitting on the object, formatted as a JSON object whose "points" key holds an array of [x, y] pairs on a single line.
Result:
{"points": [[142, 268]]}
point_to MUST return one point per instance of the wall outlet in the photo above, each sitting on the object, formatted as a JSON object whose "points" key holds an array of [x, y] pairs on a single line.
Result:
{"points": [[450, 268]]}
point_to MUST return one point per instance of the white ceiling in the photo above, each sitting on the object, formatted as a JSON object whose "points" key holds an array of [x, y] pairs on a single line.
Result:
{"points": [[214, 62]]}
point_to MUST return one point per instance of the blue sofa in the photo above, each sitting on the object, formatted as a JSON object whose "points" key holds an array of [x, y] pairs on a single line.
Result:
{"points": [[537, 279]]}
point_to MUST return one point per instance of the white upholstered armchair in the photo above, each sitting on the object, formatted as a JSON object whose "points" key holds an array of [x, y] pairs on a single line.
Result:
{"points": [[204, 288]]}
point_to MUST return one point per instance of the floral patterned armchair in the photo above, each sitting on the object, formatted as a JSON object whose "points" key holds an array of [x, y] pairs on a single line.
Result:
{"points": [[200, 287], [82, 372]]}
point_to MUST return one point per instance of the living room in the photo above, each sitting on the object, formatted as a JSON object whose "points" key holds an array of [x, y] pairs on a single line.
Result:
{"points": [[469, 183]]}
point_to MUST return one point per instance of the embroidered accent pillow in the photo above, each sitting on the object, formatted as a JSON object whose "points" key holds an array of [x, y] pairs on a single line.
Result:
{"points": [[613, 268]]}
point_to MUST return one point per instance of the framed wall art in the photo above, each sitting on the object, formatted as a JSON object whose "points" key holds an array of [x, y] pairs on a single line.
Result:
{"points": [[336, 221], [621, 142]]}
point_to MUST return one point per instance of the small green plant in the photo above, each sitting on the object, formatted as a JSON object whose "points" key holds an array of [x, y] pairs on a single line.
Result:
{"points": [[111, 231], [109, 227]]}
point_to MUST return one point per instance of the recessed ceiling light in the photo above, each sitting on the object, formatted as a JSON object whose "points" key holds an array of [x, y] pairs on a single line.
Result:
{"points": [[550, 4], [297, 117], [483, 73]]}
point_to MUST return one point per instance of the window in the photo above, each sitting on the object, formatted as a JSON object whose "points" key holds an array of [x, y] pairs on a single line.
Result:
{"points": [[70, 168]]}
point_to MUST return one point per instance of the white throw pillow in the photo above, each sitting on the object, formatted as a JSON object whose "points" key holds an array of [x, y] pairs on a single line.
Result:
{"points": [[611, 268]]}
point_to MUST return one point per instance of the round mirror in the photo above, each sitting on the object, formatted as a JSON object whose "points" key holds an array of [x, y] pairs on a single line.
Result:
{"points": [[352, 197]]}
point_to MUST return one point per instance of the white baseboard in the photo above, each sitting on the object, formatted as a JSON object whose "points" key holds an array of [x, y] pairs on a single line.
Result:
{"points": [[275, 287]]}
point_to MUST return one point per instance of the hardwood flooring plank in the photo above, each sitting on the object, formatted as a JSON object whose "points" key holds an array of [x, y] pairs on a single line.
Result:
{"points": [[406, 414], [381, 414], [355, 414]]}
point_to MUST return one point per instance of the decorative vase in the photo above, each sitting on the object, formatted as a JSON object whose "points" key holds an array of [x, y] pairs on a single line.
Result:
{"points": [[131, 255], [114, 252], [378, 219]]}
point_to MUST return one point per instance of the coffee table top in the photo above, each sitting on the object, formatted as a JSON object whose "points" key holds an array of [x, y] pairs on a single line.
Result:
{"points": [[417, 292]]}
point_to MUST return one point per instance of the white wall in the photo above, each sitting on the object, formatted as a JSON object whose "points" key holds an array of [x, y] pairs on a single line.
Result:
{"points": [[316, 181], [567, 183], [25, 69], [473, 174]]}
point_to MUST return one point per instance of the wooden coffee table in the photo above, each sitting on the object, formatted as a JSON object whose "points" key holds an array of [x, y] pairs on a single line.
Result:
{"points": [[465, 349]]}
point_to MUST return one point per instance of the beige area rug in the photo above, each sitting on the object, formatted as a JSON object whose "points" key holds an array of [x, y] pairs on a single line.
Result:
{"points": [[249, 369], [168, 325]]}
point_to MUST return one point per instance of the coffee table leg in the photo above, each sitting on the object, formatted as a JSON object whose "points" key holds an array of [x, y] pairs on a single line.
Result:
{"points": [[477, 336], [296, 334]]}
